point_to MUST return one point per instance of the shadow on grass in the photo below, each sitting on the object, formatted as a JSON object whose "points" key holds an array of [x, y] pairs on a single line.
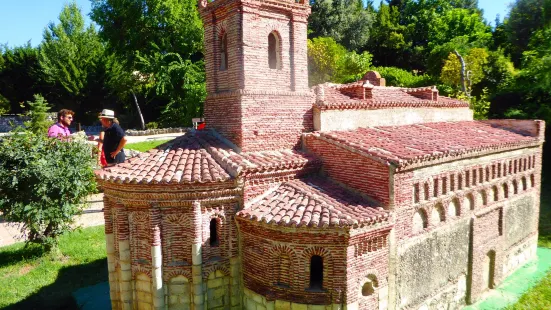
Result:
{"points": [[7, 257], [58, 294]]}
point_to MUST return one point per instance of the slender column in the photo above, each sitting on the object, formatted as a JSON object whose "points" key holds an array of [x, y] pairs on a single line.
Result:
{"points": [[196, 256], [111, 255], [124, 257], [156, 259]]}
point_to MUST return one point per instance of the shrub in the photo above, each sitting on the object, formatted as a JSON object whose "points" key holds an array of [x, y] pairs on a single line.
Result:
{"points": [[402, 78], [152, 125], [44, 183]]}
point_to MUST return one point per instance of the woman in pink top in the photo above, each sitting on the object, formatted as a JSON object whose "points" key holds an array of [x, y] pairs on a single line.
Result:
{"points": [[61, 128]]}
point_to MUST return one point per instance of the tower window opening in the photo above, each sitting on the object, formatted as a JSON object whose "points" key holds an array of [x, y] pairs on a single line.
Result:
{"points": [[224, 52], [316, 272], [273, 51], [214, 233]]}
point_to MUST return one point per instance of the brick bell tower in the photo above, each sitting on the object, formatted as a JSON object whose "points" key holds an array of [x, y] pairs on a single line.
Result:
{"points": [[257, 72]]}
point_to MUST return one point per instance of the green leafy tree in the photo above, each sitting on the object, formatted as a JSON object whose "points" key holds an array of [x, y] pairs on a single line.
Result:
{"points": [[69, 57], [181, 81], [44, 183], [348, 22], [475, 61], [20, 76], [525, 18], [150, 35], [387, 41], [38, 116], [329, 61]]}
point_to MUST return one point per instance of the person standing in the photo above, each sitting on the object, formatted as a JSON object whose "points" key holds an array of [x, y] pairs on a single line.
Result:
{"points": [[114, 139], [61, 128]]}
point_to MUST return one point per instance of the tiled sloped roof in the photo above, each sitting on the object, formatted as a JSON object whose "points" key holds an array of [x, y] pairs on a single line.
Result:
{"points": [[329, 96], [410, 144], [313, 202], [182, 160], [198, 158]]}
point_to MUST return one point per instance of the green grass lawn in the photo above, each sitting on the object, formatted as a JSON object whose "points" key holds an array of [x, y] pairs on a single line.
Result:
{"points": [[144, 146], [31, 280]]}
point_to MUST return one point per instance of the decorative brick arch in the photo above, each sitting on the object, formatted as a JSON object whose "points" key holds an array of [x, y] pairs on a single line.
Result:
{"points": [[175, 273], [140, 269], [275, 253], [420, 221], [328, 265], [437, 214], [223, 269], [453, 207], [275, 52]]}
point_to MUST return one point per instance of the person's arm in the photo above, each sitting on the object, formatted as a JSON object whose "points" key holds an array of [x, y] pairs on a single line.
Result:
{"points": [[100, 145]]}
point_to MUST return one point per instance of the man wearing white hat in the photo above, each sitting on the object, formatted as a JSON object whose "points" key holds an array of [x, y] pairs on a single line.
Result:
{"points": [[114, 139]]}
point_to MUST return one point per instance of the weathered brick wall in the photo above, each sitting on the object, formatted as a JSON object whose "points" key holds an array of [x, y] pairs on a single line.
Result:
{"points": [[261, 251], [368, 257], [352, 169]]}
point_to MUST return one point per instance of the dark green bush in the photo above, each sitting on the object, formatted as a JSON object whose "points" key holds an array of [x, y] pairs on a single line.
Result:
{"points": [[402, 78], [44, 183]]}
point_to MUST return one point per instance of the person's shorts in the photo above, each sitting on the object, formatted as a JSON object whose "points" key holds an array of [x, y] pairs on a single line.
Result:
{"points": [[120, 158]]}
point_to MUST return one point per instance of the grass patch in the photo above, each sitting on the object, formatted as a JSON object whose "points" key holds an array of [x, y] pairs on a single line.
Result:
{"points": [[539, 297], [34, 280], [145, 145]]}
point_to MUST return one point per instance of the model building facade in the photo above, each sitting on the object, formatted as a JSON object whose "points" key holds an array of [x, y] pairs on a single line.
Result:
{"points": [[354, 196]]}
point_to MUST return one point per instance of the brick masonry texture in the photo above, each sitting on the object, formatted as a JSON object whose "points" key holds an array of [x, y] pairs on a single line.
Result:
{"points": [[262, 211]]}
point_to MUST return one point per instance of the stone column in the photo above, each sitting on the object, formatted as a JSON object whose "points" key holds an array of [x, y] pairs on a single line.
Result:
{"points": [[156, 259], [125, 263], [111, 255], [196, 256]]}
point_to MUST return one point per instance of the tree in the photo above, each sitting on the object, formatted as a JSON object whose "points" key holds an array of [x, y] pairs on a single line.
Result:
{"points": [[38, 116], [329, 61], [146, 35], [69, 57], [473, 73], [20, 76], [346, 21], [387, 42], [524, 19]]}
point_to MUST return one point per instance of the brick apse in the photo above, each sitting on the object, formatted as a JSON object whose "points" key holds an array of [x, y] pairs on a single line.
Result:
{"points": [[355, 196]]}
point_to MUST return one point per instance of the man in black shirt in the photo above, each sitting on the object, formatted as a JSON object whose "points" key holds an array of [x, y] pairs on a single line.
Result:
{"points": [[114, 140]]}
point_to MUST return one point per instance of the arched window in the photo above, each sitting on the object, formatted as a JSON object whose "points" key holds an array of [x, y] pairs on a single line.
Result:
{"points": [[273, 51], [469, 202], [224, 52], [505, 190], [370, 285], [524, 184], [283, 270], [495, 193], [453, 208], [316, 272], [515, 187], [484, 197], [419, 221], [214, 233], [489, 269], [438, 214], [426, 189]]}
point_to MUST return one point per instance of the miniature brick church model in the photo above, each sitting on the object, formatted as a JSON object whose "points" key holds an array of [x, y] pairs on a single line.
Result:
{"points": [[354, 196]]}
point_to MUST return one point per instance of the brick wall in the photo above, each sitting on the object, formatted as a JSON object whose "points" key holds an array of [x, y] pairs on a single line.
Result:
{"points": [[352, 169], [262, 248]]}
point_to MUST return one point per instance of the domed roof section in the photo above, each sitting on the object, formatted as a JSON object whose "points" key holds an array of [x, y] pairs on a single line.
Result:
{"points": [[182, 160]]}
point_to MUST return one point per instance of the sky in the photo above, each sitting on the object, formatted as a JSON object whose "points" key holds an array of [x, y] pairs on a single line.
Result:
{"points": [[24, 20]]}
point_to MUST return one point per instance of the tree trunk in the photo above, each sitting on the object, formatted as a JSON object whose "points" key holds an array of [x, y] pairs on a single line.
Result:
{"points": [[139, 111], [463, 70]]}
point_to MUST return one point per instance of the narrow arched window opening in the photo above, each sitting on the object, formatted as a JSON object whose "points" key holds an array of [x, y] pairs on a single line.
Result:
{"points": [[224, 52], [316, 272], [214, 241], [369, 286], [273, 51]]}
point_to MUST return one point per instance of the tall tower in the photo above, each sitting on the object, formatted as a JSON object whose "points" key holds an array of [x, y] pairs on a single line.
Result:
{"points": [[257, 72]]}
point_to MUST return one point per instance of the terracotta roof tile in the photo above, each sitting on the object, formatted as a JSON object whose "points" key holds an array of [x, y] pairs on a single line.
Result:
{"points": [[182, 160], [313, 202], [409, 144], [330, 96], [201, 157]]}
